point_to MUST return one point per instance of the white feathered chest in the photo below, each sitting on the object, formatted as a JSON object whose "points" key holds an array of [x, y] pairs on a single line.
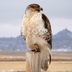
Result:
{"points": [[34, 30], [34, 26]]}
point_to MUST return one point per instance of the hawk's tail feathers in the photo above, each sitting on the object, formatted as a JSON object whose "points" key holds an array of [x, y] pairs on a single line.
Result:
{"points": [[45, 59]]}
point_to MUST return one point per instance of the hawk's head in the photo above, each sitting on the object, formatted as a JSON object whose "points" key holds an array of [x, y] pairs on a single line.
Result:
{"points": [[33, 8]]}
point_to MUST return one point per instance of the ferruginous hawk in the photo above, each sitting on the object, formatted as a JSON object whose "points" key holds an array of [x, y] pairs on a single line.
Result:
{"points": [[36, 30]]}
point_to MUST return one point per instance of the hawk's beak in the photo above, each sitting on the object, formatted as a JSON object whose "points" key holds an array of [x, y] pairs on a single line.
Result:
{"points": [[41, 9]]}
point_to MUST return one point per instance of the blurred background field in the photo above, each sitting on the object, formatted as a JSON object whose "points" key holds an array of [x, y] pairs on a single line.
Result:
{"points": [[20, 66], [61, 62]]}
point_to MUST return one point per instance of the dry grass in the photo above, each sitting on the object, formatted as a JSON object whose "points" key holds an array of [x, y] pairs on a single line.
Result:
{"points": [[61, 66], [20, 66], [63, 63]]}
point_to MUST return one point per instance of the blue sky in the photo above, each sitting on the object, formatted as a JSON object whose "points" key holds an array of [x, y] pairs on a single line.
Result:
{"points": [[11, 11]]}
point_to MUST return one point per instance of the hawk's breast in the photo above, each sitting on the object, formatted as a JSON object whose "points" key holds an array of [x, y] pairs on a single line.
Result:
{"points": [[35, 30], [36, 25]]}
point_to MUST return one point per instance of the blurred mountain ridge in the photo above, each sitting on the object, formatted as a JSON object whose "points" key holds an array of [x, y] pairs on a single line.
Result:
{"points": [[61, 41]]}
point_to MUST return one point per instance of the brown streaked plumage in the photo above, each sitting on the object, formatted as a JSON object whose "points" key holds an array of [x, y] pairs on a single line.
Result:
{"points": [[48, 27], [36, 7], [36, 29]]}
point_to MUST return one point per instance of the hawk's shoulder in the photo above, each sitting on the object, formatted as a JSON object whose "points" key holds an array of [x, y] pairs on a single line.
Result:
{"points": [[46, 20]]}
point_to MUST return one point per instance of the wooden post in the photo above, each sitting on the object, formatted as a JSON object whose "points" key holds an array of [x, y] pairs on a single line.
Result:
{"points": [[33, 62]]}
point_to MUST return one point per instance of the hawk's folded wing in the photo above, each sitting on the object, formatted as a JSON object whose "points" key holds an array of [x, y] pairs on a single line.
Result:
{"points": [[47, 25]]}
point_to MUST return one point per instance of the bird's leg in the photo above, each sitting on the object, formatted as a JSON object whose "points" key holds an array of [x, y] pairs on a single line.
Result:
{"points": [[36, 48]]}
